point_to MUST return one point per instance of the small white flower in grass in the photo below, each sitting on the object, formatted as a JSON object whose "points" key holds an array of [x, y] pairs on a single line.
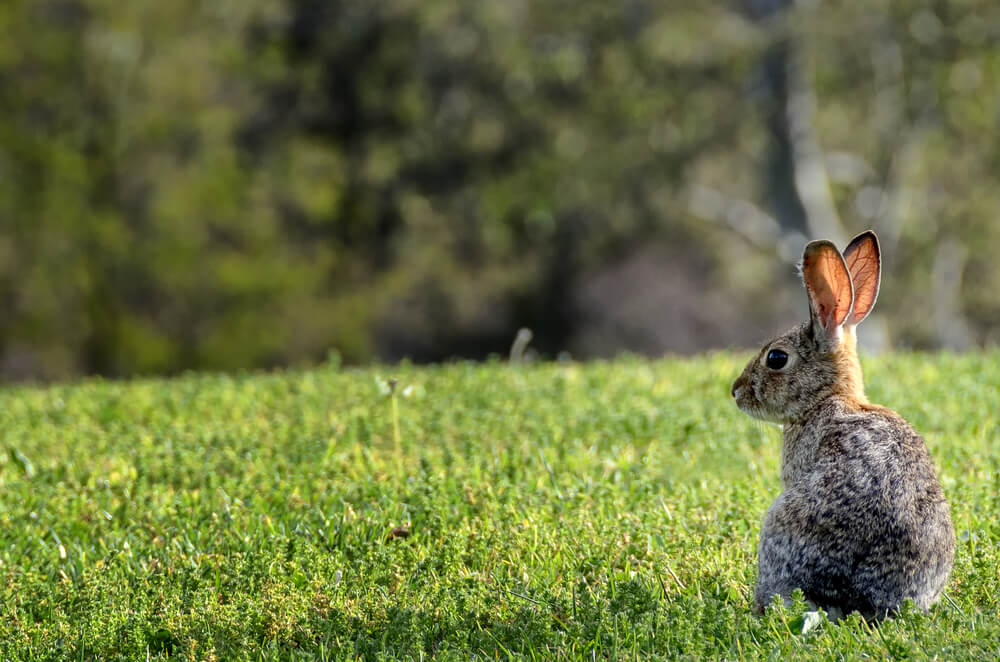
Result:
{"points": [[391, 386]]}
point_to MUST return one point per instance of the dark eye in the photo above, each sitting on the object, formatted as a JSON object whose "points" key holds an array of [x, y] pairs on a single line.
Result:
{"points": [[776, 359]]}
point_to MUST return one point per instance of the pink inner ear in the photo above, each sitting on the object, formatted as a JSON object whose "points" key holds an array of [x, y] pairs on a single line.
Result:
{"points": [[828, 283]]}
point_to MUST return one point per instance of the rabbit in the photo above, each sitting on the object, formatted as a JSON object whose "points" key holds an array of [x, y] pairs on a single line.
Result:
{"points": [[862, 523]]}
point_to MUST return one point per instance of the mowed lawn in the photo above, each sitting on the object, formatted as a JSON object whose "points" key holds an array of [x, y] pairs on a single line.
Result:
{"points": [[550, 511]]}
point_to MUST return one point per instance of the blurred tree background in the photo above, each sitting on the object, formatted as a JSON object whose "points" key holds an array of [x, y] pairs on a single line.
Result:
{"points": [[255, 183]]}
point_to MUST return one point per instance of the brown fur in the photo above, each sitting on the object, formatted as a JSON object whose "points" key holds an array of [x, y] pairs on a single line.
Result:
{"points": [[862, 523]]}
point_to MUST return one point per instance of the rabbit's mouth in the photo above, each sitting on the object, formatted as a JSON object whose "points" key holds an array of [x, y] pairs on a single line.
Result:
{"points": [[759, 413], [750, 405]]}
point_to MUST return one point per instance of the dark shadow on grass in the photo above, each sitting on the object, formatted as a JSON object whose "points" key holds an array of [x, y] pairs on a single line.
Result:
{"points": [[634, 615]]}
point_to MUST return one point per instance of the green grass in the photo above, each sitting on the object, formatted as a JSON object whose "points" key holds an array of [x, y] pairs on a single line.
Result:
{"points": [[595, 511]]}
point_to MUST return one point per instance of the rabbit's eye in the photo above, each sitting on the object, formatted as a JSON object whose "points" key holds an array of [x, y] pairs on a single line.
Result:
{"points": [[776, 359]]}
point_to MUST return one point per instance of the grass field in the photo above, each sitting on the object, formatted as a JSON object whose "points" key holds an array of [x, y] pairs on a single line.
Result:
{"points": [[577, 511]]}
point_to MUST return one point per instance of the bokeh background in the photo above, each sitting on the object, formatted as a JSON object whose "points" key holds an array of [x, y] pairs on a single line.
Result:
{"points": [[246, 184]]}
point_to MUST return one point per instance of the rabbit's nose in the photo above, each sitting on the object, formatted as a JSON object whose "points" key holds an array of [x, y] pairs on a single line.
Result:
{"points": [[737, 385]]}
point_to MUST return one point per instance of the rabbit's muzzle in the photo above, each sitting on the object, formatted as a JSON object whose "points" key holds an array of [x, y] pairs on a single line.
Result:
{"points": [[738, 386]]}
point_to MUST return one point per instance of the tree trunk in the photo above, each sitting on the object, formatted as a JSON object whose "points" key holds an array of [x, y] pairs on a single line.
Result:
{"points": [[797, 185]]}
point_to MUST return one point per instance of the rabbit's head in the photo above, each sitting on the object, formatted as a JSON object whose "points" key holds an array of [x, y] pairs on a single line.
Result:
{"points": [[817, 359]]}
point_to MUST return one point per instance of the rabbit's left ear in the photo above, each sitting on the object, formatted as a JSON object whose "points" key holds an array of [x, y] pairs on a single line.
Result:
{"points": [[864, 261], [828, 285]]}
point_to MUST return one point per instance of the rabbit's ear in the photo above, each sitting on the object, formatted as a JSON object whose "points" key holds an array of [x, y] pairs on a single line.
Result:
{"points": [[865, 264], [828, 284]]}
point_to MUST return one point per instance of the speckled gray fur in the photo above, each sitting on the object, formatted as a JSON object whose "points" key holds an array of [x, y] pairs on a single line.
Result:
{"points": [[862, 523]]}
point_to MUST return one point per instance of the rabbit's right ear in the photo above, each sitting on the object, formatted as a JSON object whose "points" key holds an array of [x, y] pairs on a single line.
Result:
{"points": [[864, 261], [828, 284]]}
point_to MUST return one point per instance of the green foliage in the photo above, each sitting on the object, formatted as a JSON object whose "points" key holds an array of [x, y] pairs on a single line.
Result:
{"points": [[225, 185], [570, 511]]}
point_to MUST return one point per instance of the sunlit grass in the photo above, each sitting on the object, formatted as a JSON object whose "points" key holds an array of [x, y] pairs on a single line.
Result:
{"points": [[568, 511]]}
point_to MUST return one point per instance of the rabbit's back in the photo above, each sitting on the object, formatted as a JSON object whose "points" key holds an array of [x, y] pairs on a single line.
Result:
{"points": [[863, 522]]}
